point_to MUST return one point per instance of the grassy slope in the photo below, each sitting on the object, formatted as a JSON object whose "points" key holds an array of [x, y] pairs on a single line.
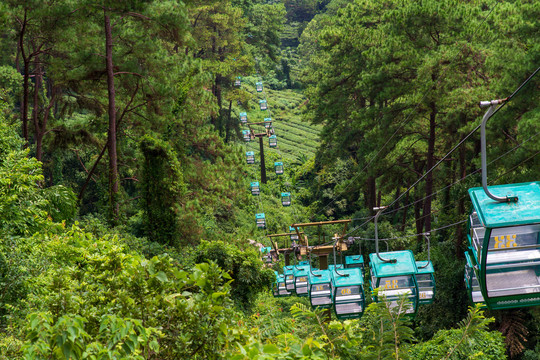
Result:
{"points": [[295, 137]]}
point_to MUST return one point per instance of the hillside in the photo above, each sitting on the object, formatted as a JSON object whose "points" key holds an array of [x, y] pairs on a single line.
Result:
{"points": [[296, 137]]}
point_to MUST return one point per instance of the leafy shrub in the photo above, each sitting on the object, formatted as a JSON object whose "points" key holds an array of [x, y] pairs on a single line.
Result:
{"points": [[243, 265], [96, 287]]}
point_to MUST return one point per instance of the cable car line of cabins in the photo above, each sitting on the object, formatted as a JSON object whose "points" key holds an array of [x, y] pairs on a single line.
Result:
{"points": [[502, 267], [340, 287]]}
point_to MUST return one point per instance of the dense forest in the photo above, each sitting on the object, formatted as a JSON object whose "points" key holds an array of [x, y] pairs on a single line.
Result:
{"points": [[127, 222]]}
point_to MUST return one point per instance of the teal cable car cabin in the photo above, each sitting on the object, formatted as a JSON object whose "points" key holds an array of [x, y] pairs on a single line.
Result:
{"points": [[263, 105], [255, 188], [354, 261], [238, 81], [260, 221], [246, 135], [301, 283], [320, 289], [268, 123], [289, 277], [250, 157], [272, 142], [266, 254], [294, 235], [278, 167], [394, 278], [286, 199], [243, 117], [279, 289], [259, 86], [504, 252], [426, 282], [349, 300]]}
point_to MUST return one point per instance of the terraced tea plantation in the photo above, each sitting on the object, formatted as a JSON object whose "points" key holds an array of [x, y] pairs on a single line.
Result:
{"points": [[295, 137]]}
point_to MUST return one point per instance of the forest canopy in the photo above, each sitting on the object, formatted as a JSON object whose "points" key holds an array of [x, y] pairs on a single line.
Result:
{"points": [[127, 220]]}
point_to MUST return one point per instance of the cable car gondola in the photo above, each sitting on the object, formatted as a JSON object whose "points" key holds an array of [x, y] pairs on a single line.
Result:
{"points": [[289, 277], [238, 81], [279, 289], [503, 258], [272, 142], [263, 105], [395, 279], [426, 282], [286, 199], [348, 290], [294, 235], [349, 301], [268, 123], [301, 284], [255, 188], [504, 252], [246, 135], [393, 273], [243, 118], [320, 289], [250, 157], [278, 167], [354, 261], [267, 257], [260, 221], [259, 86]]}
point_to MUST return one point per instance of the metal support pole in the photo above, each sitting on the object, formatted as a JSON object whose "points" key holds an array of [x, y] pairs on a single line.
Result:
{"points": [[311, 266], [263, 165], [379, 211], [492, 106], [334, 251], [426, 235], [287, 261]]}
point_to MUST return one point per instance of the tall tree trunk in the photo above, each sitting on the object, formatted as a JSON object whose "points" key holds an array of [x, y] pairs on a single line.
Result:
{"points": [[430, 163], [404, 218], [460, 235], [26, 77], [111, 135], [228, 124], [370, 194], [35, 110], [419, 219], [26, 90]]}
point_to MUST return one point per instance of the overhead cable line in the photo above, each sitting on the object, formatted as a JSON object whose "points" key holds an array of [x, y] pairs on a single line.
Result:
{"points": [[465, 138], [459, 222], [463, 178], [414, 235], [463, 197], [507, 100]]}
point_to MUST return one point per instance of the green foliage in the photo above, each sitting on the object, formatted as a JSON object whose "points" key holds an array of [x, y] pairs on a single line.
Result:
{"points": [[87, 294], [390, 329], [287, 347], [22, 204], [66, 338], [10, 348], [162, 190], [10, 83], [371, 68], [61, 203], [243, 265], [471, 341]]}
